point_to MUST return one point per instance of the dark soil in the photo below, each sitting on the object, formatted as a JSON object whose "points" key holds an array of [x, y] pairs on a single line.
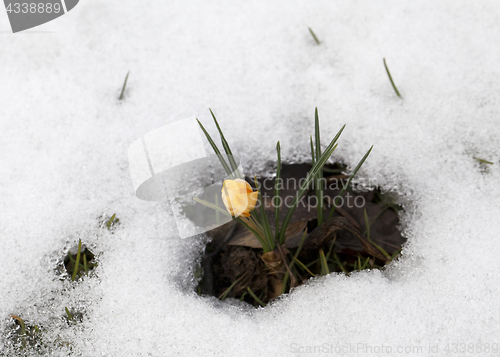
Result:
{"points": [[234, 257]]}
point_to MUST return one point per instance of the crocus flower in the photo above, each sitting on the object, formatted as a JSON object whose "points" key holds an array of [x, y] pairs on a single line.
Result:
{"points": [[238, 197]]}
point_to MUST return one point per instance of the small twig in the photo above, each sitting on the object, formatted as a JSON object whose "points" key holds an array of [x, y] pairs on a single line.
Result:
{"points": [[314, 36], [292, 278], [390, 78], [124, 86], [303, 266], [343, 213]]}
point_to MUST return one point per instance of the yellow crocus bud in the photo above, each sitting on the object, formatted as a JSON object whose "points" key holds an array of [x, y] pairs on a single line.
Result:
{"points": [[238, 197]]}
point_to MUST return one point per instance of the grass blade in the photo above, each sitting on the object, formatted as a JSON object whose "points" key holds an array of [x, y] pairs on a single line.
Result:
{"points": [[77, 263], [124, 86], [21, 322], [85, 266], [394, 255], [303, 266], [310, 176], [312, 150], [390, 78], [319, 186], [316, 133], [331, 247], [324, 264], [211, 205], [255, 297], [349, 182], [264, 221], [225, 145], [367, 225], [290, 266], [276, 198], [224, 294], [382, 250], [314, 36], [216, 150], [365, 264], [68, 313], [339, 262]]}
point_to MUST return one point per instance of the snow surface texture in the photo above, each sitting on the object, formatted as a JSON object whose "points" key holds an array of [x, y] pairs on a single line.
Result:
{"points": [[65, 136]]}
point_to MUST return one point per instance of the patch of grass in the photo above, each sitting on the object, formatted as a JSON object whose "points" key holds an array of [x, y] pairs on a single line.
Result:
{"points": [[270, 252], [112, 222], [79, 264], [23, 335]]}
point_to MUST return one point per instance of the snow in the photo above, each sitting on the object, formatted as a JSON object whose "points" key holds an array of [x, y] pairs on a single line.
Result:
{"points": [[65, 138]]}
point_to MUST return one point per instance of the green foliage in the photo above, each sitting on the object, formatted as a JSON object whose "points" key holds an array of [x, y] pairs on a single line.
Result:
{"points": [[258, 223]]}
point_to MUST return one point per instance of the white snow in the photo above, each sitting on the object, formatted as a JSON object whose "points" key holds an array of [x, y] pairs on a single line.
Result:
{"points": [[64, 139]]}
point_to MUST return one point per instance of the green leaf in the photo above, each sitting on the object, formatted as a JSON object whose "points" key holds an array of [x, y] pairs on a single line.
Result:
{"points": [[314, 36], [224, 294], [367, 224], [216, 150], [68, 313], [276, 198], [302, 265], [312, 150], [230, 156], [310, 176], [331, 247], [319, 185], [85, 266], [290, 266], [348, 182], [255, 297], [483, 161], [365, 264], [390, 78], [124, 86], [337, 260], [211, 205], [77, 263], [324, 264]]}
